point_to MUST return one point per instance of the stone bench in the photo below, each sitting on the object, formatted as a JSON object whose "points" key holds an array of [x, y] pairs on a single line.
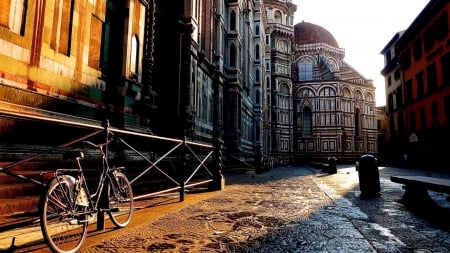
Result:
{"points": [[416, 187], [327, 167]]}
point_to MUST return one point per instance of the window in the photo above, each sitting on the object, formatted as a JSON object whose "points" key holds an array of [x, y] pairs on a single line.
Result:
{"points": [[434, 110], [432, 79], [412, 120], [257, 30], [232, 55], [233, 20], [423, 116], [257, 53], [134, 56], [447, 109], [307, 121], [397, 74], [399, 97], [390, 102], [406, 59], [409, 93], [62, 26], [257, 75], [417, 49], [305, 71], [278, 17], [13, 15], [388, 57], [441, 26], [95, 42], [420, 85], [358, 123], [428, 39], [445, 63]]}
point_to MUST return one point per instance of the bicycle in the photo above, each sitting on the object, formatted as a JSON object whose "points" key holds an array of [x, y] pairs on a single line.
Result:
{"points": [[67, 205]]}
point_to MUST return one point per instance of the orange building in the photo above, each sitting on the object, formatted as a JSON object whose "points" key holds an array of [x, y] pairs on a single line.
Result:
{"points": [[425, 61]]}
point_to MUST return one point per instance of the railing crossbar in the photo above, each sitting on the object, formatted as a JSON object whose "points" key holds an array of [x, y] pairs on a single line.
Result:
{"points": [[200, 165], [154, 165]]}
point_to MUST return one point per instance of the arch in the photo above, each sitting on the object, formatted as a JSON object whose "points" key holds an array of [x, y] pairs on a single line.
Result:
{"points": [[284, 88], [346, 92], [334, 63], [369, 97], [327, 92], [304, 93], [278, 16], [358, 95]]}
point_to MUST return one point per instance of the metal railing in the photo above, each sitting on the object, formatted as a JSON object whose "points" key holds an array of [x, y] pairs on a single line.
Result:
{"points": [[194, 162]]}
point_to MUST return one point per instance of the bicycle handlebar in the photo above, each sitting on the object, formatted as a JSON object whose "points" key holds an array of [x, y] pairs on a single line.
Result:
{"points": [[98, 145]]}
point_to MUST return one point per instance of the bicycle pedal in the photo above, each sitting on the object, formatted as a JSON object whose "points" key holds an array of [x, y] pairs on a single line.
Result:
{"points": [[77, 221]]}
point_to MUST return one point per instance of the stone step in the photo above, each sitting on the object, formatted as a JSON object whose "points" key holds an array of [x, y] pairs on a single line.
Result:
{"points": [[16, 210], [22, 189]]}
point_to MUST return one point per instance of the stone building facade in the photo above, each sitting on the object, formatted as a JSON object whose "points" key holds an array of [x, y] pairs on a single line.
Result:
{"points": [[236, 73], [417, 61]]}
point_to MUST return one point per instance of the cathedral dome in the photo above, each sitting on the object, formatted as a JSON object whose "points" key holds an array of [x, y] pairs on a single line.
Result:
{"points": [[307, 33]]}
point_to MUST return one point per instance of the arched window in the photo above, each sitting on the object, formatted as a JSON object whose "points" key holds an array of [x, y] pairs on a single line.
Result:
{"points": [[278, 17], [257, 30], [257, 75], [257, 54], [307, 121], [134, 56]]}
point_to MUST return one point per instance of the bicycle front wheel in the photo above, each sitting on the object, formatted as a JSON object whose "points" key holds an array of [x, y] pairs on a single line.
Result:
{"points": [[63, 225], [121, 204]]}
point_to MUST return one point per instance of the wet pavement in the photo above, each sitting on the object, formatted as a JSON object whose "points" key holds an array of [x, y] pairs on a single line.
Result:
{"points": [[293, 209]]}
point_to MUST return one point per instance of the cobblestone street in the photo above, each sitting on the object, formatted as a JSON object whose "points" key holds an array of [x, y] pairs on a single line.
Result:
{"points": [[294, 209]]}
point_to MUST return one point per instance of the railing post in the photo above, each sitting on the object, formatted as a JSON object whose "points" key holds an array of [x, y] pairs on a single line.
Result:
{"points": [[181, 170], [218, 182], [103, 202]]}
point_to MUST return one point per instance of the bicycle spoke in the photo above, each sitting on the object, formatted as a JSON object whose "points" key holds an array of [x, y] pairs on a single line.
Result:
{"points": [[121, 202], [63, 228]]}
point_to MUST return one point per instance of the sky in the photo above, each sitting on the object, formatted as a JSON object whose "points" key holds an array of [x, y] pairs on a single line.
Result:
{"points": [[362, 28]]}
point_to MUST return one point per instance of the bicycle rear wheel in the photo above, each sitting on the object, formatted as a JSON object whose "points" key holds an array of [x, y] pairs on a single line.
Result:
{"points": [[121, 204], [63, 229]]}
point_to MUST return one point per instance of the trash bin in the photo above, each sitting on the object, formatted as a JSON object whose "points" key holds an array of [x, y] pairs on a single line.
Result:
{"points": [[332, 165], [369, 178]]}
